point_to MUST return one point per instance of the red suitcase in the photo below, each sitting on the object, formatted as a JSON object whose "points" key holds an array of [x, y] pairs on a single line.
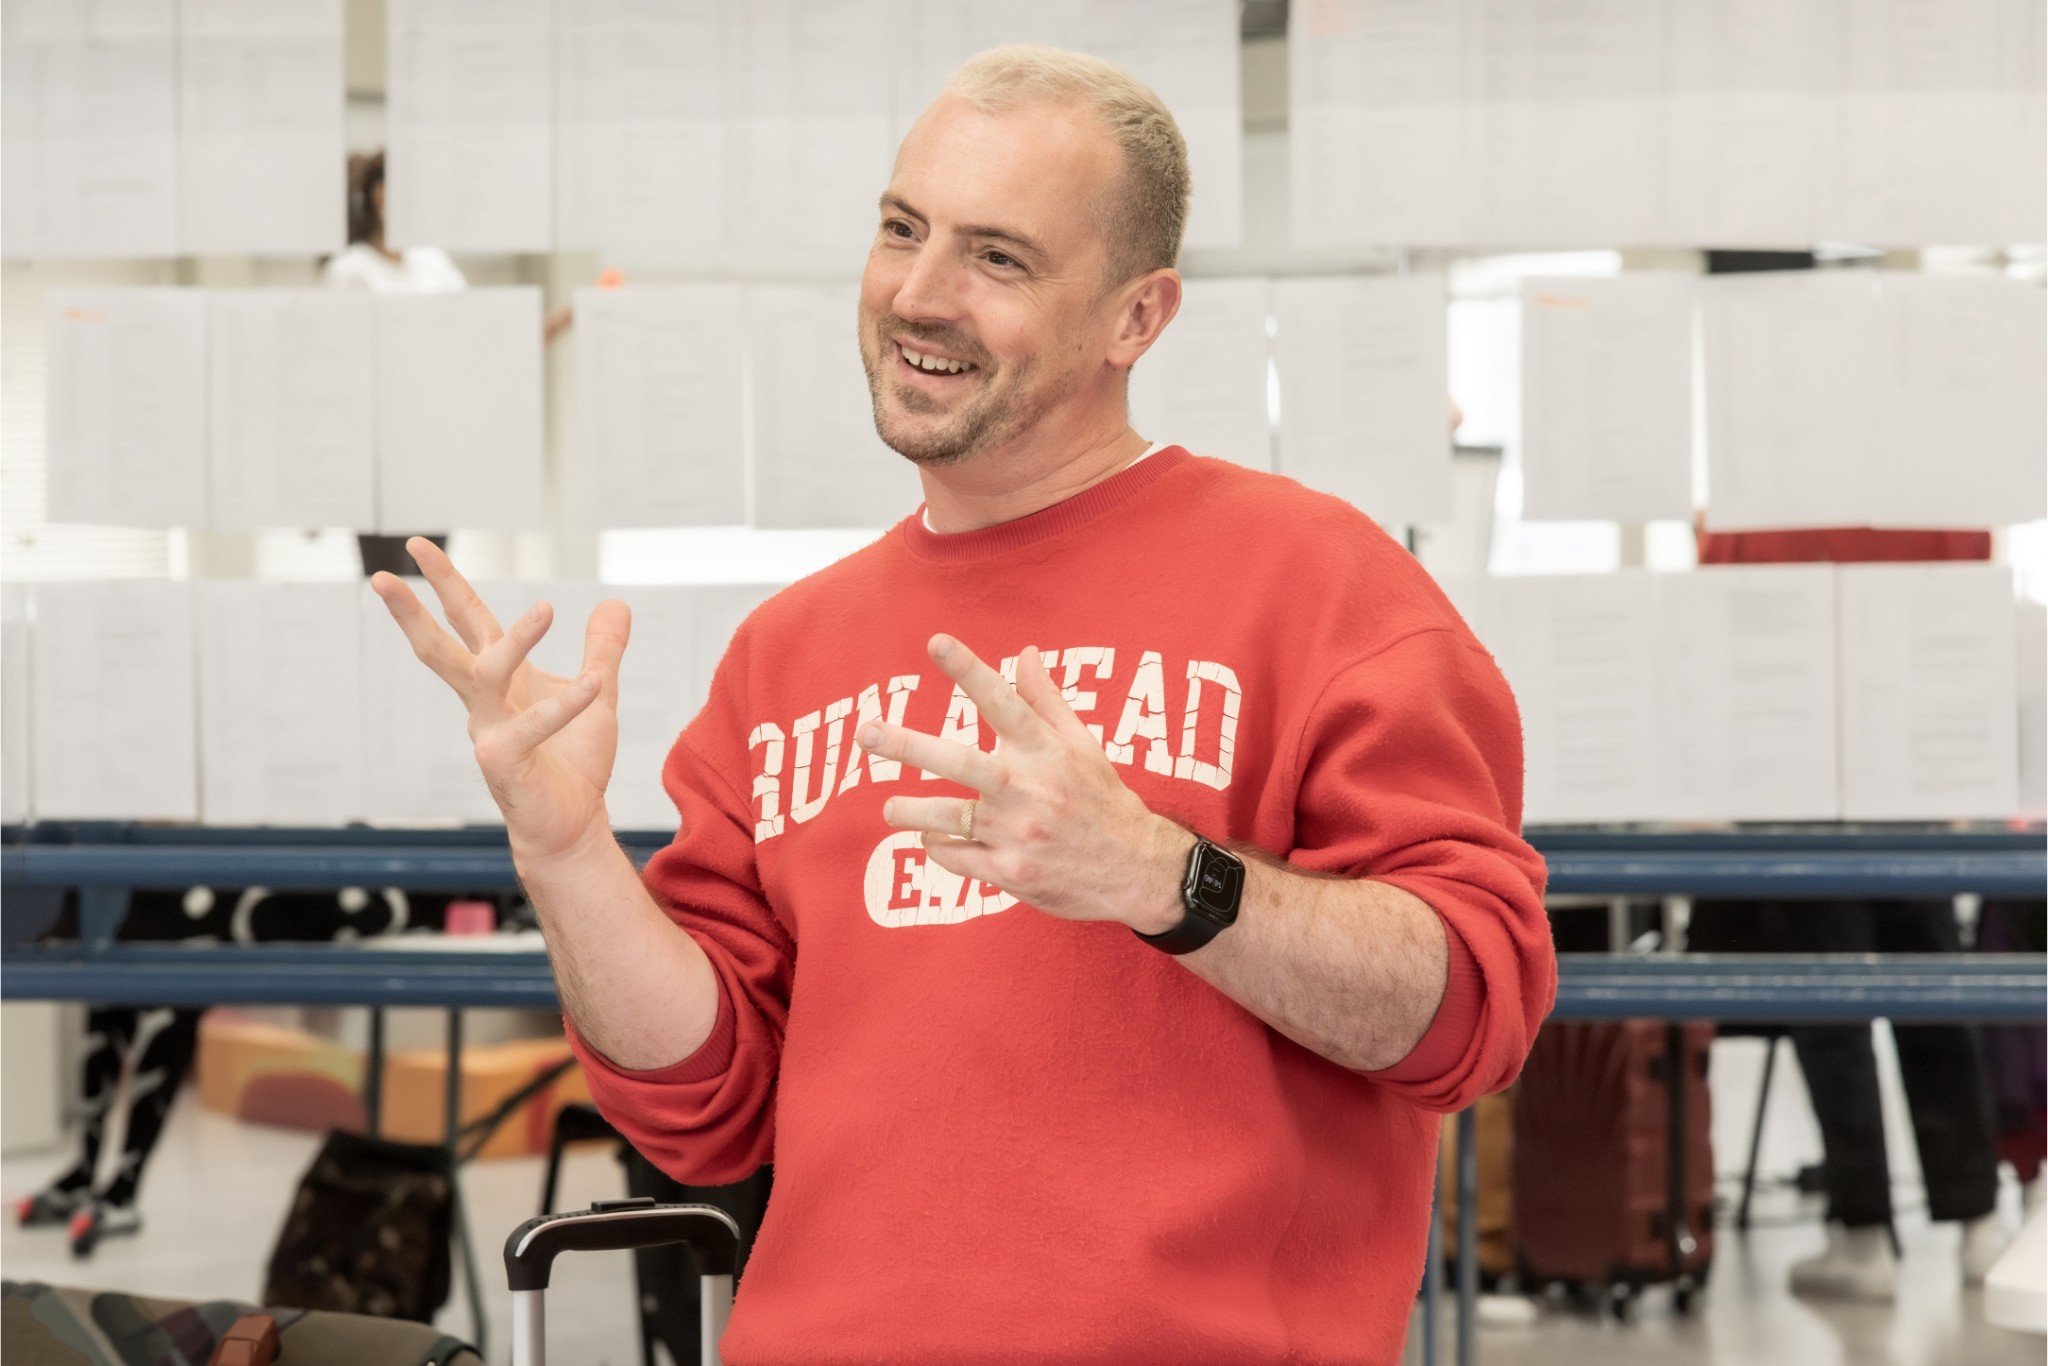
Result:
{"points": [[1613, 1165]]}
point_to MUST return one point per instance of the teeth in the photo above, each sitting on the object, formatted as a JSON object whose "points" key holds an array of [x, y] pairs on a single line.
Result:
{"points": [[933, 364]]}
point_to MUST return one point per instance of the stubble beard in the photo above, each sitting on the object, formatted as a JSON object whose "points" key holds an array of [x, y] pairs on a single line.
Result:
{"points": [[989, 419]]}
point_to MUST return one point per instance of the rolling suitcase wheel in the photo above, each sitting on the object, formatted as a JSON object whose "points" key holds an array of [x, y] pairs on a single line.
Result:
{"points": [[617, 1225]]}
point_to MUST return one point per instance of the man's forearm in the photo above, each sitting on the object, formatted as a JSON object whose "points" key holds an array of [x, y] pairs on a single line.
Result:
{"points": [[639, 989], [1349, 968]]}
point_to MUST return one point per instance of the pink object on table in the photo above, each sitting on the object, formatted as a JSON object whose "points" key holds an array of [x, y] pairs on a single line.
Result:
{"points": [[471, 917]]}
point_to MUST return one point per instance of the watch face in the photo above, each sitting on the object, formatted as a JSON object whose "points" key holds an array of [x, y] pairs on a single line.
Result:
{"points": [[1216, 884]]}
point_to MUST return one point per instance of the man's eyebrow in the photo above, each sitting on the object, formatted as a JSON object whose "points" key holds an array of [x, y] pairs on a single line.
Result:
{"points": [[890, 201]]}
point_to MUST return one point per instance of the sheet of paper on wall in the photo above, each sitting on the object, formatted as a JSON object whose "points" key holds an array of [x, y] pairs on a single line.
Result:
{"points": [[14, 718], [260, 102], [809, 151], [1916, 154], [1747, 112], [1746, 672], [1187, 51], [658, 696], [112, 693], [660, 407], [2031, 636], [1564, 124], [1203, 383], [931, 37], [1963, 400], [817, 459], [641, 92], [126, 406], [1579, 652], [280, 703], [418, 761], [1930, 702], [292, 415], [470, 118], [91, 117], [1363, 370], [1376, 122], [1607, 398], [1791, 418], [2020, 124], [459, 410]]}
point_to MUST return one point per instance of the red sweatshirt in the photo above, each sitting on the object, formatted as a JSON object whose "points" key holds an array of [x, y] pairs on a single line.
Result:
{"points": [[1003, 1136]]}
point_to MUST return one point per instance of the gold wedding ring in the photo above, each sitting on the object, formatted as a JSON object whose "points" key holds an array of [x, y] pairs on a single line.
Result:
{"points": [[967, 821]]}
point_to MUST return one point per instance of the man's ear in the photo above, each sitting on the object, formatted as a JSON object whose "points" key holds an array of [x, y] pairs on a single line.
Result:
{"points": [[1144, 307]]}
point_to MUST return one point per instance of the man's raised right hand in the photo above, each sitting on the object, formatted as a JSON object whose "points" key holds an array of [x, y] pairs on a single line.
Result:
{"points": [[545, 743]]}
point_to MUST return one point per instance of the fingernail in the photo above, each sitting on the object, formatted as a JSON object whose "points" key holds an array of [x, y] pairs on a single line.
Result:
{"points": [[870, 736], [534, 615], [944, 647]]}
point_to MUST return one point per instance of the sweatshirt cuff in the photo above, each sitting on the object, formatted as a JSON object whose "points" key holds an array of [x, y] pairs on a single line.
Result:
{"points": [[1456, 1021], [711, 1059]]}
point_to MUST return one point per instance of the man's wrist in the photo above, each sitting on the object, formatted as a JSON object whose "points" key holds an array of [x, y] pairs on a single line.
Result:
{"points": [[1165, 863]]}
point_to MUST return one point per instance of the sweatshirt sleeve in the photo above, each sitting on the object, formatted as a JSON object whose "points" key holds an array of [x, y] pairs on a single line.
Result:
{"points": [[1410, 773], [708, 1119]]}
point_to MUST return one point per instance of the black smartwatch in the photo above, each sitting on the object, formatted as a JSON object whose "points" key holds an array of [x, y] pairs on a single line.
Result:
{"points": [[1209, 893]]}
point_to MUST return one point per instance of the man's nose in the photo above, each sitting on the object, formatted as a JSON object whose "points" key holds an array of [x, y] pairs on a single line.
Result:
{"points": [[930, 289]]}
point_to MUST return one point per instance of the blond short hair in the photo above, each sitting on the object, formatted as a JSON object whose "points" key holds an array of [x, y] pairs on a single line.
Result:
{"points": [[1145, 213]]}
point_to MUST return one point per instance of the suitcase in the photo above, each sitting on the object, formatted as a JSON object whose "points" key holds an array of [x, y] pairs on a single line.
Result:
{"points": [[1613, 1165], [620, 1225]]}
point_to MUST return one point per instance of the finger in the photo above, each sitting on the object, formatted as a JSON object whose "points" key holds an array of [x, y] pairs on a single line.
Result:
{"points": [[1010, 714], [966, 858], [1047, 698], [604, 644], [939, 815], [459, 602], [431, 645], [500, 662], [526, 732], [964, 764]]}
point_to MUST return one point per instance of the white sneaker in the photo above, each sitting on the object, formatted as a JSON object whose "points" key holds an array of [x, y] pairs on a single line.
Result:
{"points": [[1984, 1242], [2030, 1199], [1858, 1264]]}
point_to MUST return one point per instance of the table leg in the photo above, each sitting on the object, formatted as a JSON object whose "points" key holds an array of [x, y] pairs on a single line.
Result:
{"points": [[453, 1126], [373, 1076], [1468, 1235]]}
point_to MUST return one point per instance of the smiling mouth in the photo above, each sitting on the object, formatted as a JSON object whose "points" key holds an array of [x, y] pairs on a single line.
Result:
{"points": [[933, 367]]}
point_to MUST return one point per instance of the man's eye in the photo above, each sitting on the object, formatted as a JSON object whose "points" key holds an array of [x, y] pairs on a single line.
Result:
{"points": [[893, 224], [997, 258]]}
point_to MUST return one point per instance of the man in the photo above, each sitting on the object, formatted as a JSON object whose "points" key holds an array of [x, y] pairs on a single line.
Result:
{"points": [[911, 884]]}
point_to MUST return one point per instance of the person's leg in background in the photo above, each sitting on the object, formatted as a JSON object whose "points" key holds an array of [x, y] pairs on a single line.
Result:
{"points": [[109, 1030], [1948, 1093], [2018, 1053]]}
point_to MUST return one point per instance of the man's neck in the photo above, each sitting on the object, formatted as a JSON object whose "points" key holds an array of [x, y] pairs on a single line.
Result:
{"points": [[995, 487]]}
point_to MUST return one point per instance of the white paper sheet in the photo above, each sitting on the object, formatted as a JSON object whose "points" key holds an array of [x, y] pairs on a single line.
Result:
{"points": [[1607, 398], [1748, 118], [91, 118], [126, 406], [1363, 372], [1746, 672], [1929, 692], [1790, 364], [418, 763], [280, 703], [1580, 653], [817, 460], [641, 92], [931, 37], [809, 127], [14, 717], [661, 405], [1963, 403], [292, 421], [2031, 634], [1203, 383], [112, 692], [471, 122], [1376, 121], [260, 99], [459, 410]]}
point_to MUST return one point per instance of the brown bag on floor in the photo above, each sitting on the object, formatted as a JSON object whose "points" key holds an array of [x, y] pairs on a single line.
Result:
{"points": [[368, 1232], [1493, 1208]]}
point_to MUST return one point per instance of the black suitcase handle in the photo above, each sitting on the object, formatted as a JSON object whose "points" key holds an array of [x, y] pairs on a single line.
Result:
{"points": [[616, 1225]]}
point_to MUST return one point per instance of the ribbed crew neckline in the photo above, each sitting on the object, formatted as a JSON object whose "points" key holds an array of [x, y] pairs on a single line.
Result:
{"points": [[990, 542]]}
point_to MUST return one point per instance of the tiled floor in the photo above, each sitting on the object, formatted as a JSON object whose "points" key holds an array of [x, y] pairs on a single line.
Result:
{"points": [[216, 1193]]}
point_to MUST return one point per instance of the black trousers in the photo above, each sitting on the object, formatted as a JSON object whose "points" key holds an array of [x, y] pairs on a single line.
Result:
{"points": [[1948, 1088]]}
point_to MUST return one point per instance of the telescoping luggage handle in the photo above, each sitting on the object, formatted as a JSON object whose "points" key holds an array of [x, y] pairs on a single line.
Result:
{"points": [[611, 1226]]}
